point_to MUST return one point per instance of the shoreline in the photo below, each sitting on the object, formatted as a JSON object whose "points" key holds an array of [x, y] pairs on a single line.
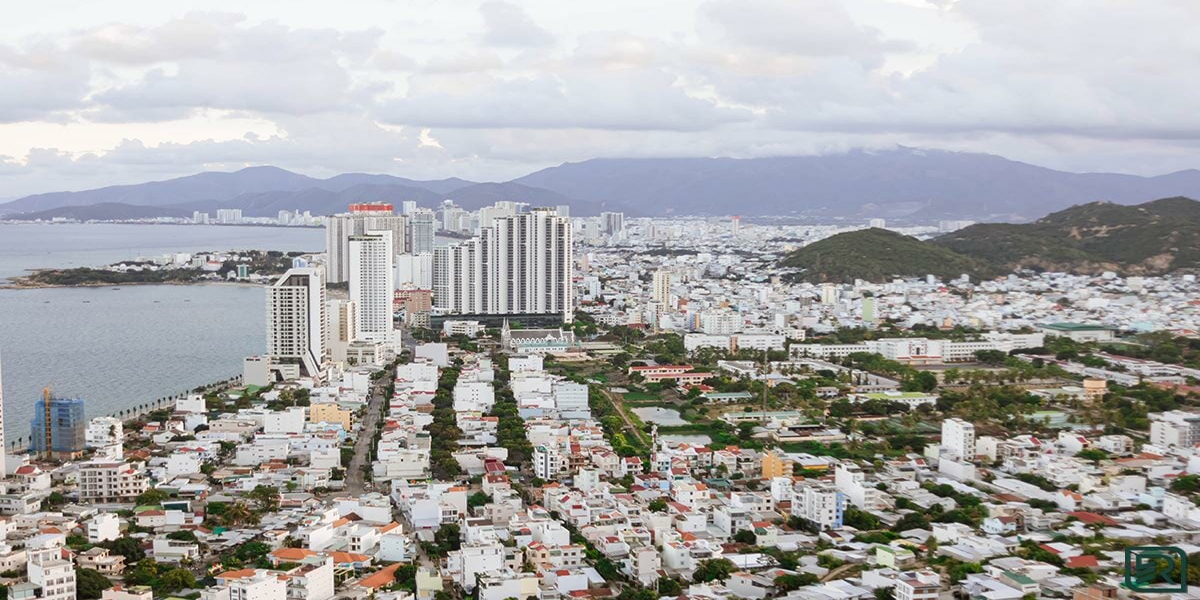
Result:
{"points": [[13, 284]]}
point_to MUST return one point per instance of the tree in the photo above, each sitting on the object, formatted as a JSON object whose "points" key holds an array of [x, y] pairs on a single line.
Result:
{"points": [[657, 505], [669, 587], [717, 569], [1186, 484], [251, 551], [478, 499], [787, 583], [885, 593], [745, 536], [90, 584], [175, 580], [265, 496], [129, 548], [151, 497]]}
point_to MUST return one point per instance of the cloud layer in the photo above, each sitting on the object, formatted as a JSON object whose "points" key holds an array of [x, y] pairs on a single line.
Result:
{"points": [[491, 90]]}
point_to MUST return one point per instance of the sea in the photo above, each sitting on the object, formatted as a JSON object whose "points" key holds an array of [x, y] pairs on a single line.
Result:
{"points": [[119, 347]]}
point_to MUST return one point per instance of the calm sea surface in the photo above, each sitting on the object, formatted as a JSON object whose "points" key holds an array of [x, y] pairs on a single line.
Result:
{"points": [[118, 348]]}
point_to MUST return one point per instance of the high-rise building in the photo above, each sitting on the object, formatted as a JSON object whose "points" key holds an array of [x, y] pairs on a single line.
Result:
{"points": [[422, 231], [660, 287], [296, 321], [614, 222], [361, 219], [343, 325], [414, 270], [735, 225], [372, 284], [58, 428], [229, 216], [521, 264], [408, 206]]}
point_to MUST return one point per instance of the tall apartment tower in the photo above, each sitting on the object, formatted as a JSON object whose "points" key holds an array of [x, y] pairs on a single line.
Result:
{"points": [[373, 284], [423, 225], [361, 219], [297, 326], [660, 287], [343, 326], [613, 222], [522, 264]]}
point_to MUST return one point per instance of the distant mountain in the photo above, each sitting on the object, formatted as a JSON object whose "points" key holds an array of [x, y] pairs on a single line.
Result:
{"points": [[264, 191], [878, 255], [925, 184], [215, 187], [897, 184], [339, 183], [108, 211], [1148, 239]]}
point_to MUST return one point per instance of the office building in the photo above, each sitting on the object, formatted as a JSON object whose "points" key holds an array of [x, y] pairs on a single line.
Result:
{"points": [[59, 428], [360, 219], [522, 264], [372, 284], [296, 323], [422, 225]]}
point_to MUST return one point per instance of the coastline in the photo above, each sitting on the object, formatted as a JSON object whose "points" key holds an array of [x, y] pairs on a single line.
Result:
{"points": [[18, 283]]}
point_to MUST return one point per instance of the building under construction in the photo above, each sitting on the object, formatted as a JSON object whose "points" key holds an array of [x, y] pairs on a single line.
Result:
{"points": [[59, 427]]}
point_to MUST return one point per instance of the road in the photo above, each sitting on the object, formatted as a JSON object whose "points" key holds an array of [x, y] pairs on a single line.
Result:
{"points": [[355, 481], [641, 435]]}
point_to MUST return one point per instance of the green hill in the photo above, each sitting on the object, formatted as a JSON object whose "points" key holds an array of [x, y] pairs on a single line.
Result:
{"points": [[878, 255], [1147, 239]]}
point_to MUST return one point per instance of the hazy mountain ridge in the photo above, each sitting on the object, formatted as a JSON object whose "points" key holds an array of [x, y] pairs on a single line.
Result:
{"points": [[1154, 238], [902, 183]]}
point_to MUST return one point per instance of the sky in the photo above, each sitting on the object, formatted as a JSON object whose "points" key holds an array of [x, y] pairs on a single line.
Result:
{"points": [[124, 91]]}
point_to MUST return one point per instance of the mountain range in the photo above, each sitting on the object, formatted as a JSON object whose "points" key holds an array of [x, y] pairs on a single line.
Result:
{"points": [[1154, 238], [904, 183]]}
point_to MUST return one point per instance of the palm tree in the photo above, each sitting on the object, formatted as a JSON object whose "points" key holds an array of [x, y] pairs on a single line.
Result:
{"points": [[238, 514]]}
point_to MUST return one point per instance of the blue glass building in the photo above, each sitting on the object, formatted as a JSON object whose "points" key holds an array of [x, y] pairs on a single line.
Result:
{"points": [[66, 429]]}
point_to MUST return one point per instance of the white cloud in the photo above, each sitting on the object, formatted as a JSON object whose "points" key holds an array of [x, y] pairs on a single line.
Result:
{"points": [[502, 87]]}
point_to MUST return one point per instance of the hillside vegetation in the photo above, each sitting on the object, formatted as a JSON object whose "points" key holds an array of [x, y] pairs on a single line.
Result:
{"points": [[1154, 238]]}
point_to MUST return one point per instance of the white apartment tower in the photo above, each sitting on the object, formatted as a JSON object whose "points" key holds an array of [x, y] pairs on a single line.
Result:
{"points": [[372, 284], [660, 287], [296, 320], [343, 327], [522, 264], [958, 439], [361, 219], [423, 224]]}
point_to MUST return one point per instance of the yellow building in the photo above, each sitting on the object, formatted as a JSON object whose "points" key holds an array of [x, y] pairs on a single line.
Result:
{"points": [[775, 465], [329, 412]]}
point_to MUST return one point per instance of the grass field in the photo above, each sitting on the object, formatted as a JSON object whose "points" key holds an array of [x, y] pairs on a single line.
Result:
{"points": [[639, 396]]}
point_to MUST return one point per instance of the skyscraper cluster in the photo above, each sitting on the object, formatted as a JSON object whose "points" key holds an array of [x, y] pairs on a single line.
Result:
{"points": [[519, 264], [363, 218]]}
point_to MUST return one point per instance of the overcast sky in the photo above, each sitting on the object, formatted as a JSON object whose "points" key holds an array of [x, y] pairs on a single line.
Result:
{"points": [[95, 93]]}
